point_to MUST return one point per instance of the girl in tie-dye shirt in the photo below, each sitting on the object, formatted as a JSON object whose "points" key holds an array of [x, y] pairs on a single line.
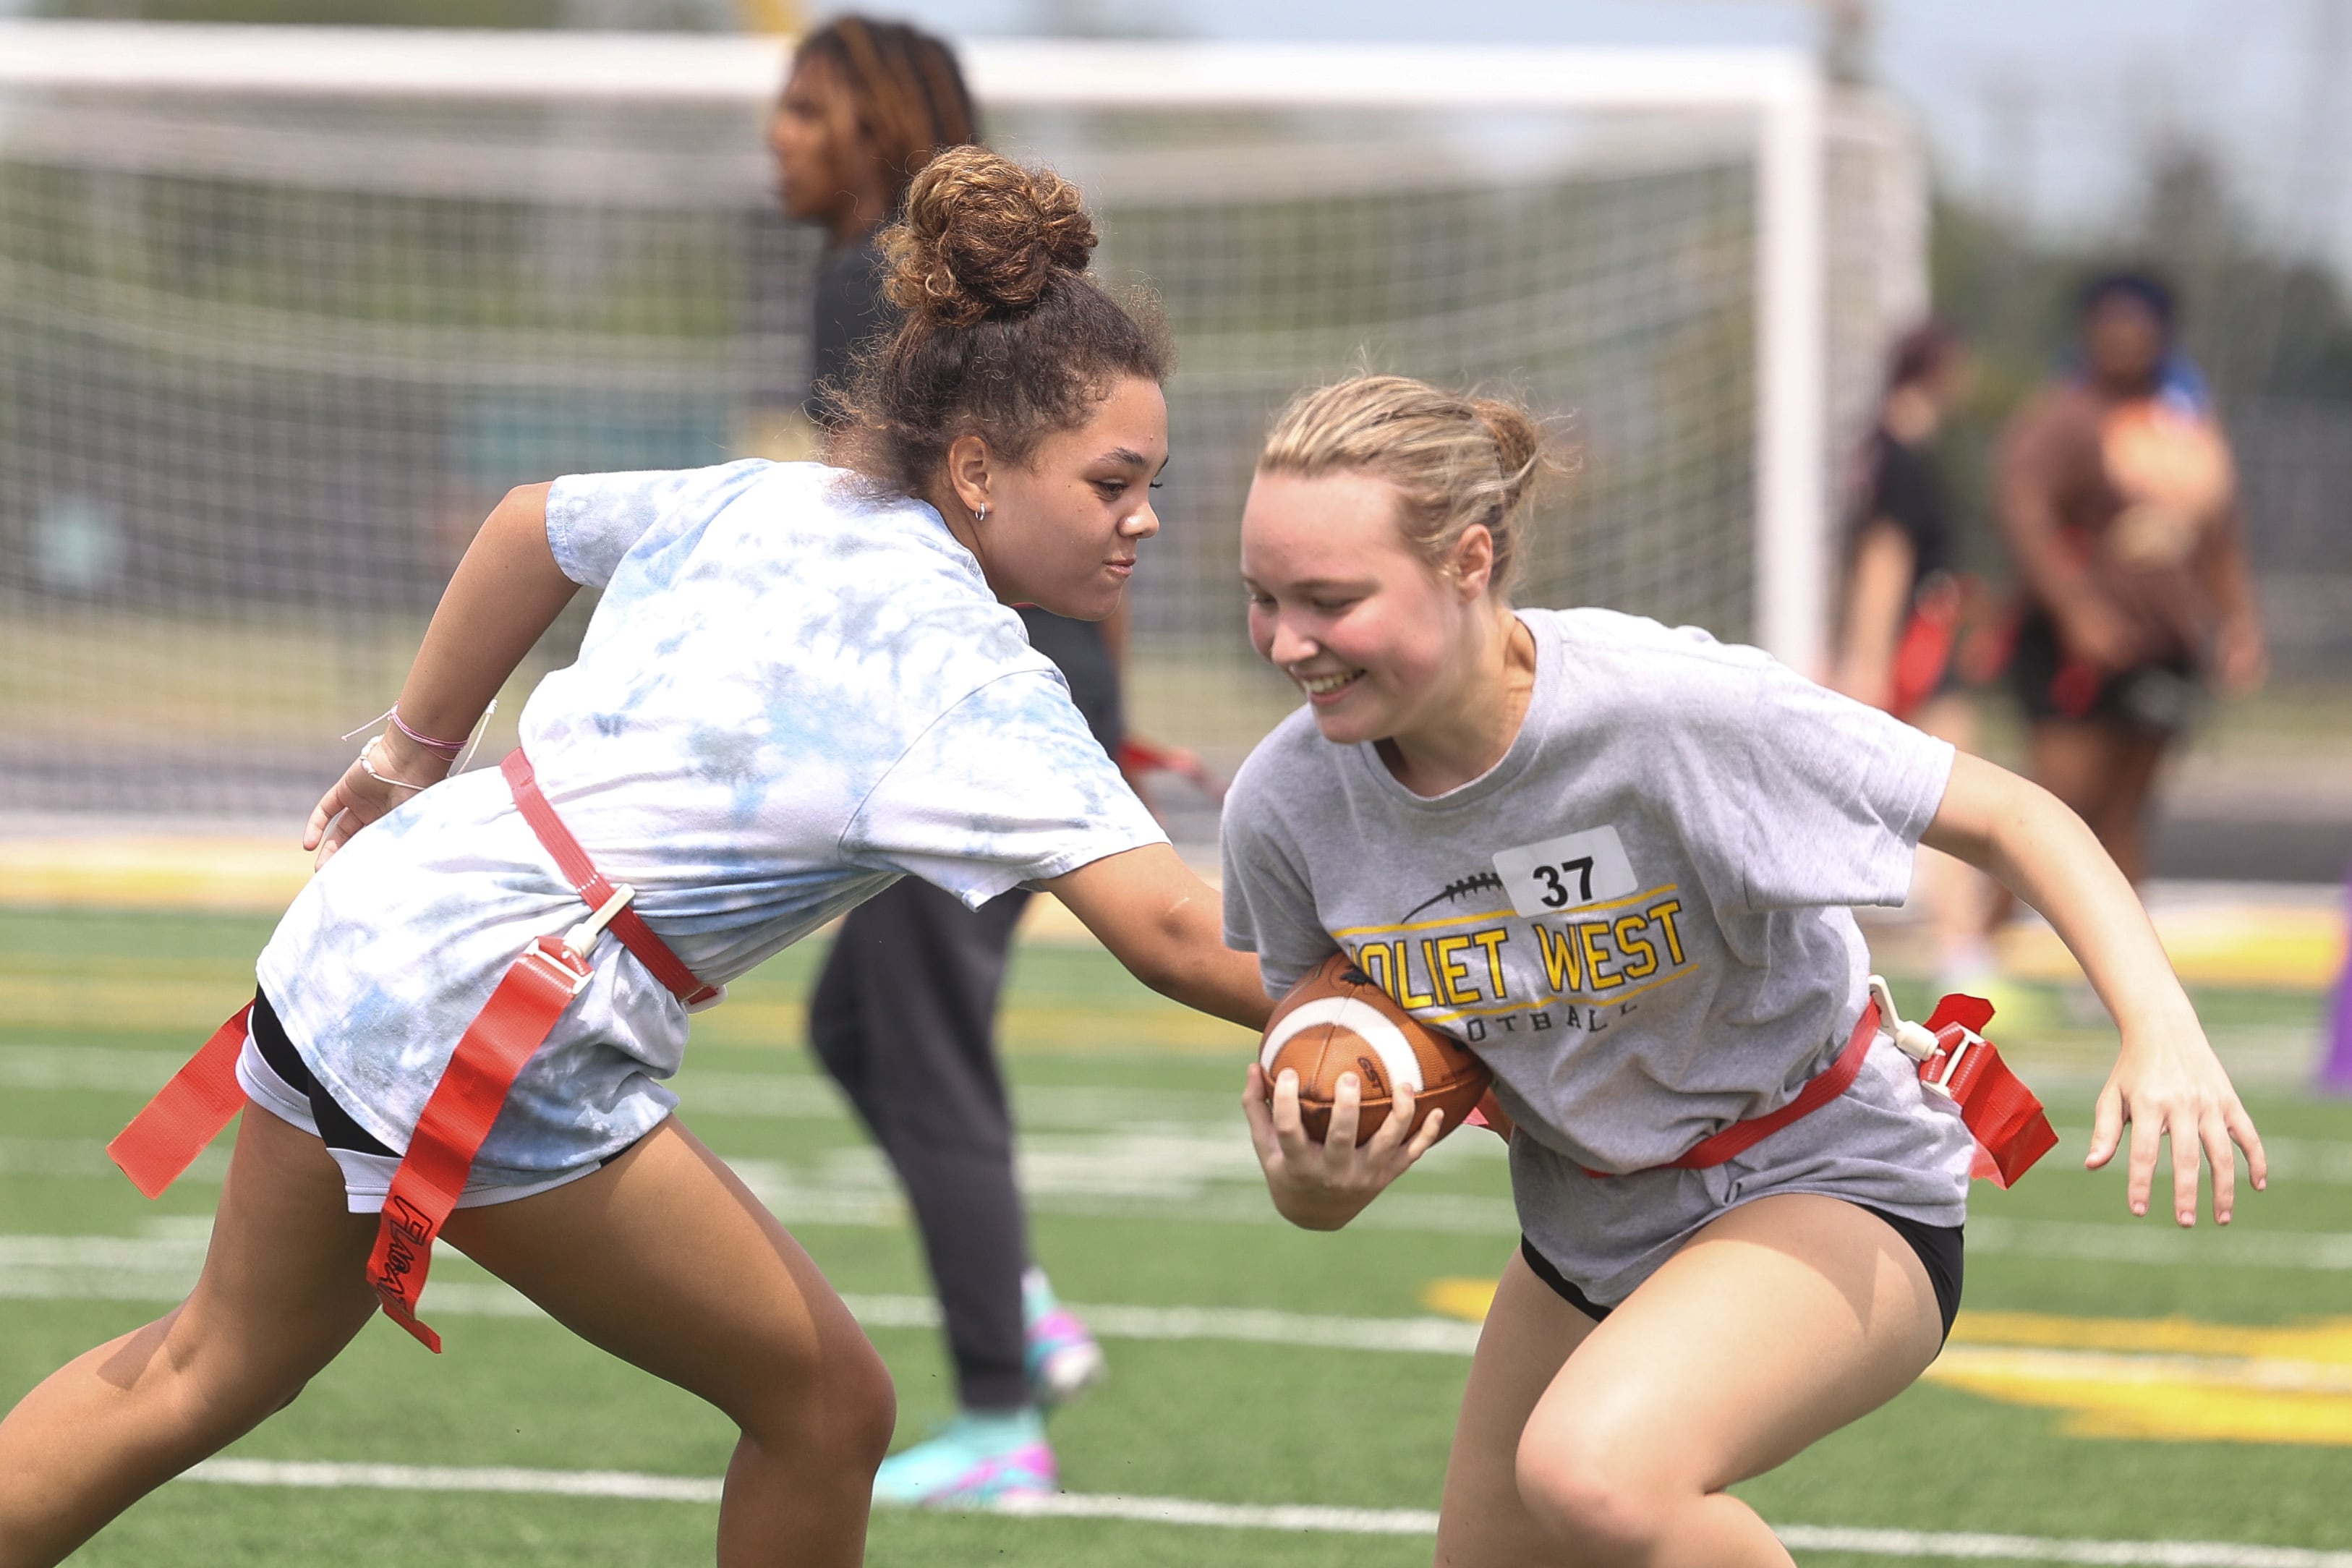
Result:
{"points": [[801, 683]]}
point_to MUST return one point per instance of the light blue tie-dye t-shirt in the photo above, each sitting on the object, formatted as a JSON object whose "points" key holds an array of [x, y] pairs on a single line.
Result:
{"points": [[791, 694]]}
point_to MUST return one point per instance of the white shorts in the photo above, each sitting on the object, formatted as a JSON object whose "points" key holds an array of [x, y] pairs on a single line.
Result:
{"points": [[367, 1174]]}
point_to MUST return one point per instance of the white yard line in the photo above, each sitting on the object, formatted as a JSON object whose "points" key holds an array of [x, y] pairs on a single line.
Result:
{"points": [[1297, 1518], [1306, 1518], [716, 1092], [87, 1066], [2155, 1241], [161, 1267], [2317, 1161], [1245, 1325], [452, 1478], [1196, 1171]]}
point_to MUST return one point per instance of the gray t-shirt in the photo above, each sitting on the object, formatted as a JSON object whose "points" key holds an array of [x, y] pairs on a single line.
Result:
{"points": [[1638, 917]]}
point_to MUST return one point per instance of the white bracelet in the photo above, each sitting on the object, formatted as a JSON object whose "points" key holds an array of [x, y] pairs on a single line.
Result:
{"points": [[369, 768]]}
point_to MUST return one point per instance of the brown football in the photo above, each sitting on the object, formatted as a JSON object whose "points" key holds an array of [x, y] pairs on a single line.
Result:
{"points": [[1337, 1021]]}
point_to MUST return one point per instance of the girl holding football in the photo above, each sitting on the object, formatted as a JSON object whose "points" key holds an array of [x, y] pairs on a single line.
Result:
{"points": [[1616, 858]]}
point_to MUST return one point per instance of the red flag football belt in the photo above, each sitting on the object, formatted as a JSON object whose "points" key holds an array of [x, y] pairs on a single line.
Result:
{"points": [[1956, 1061], [191, 1110]]}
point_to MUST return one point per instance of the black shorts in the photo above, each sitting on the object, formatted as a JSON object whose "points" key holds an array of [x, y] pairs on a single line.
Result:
{"points": [[336, 1127], [2158, 697], [1937, 1245]]}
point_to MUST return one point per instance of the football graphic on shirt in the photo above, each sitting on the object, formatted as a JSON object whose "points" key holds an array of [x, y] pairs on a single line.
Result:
{"points": [[1337, 1021]]}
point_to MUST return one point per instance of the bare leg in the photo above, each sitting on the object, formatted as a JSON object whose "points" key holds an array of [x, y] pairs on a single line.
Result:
{"points": [[665, 1259], [1529, 1334], [1836, 1316], [283, 1290], [2105, 773], [662, 1257]]}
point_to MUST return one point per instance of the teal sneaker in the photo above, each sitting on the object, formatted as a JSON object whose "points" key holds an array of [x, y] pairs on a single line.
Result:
{"points": [[1060, 1358], [978, 1459]]}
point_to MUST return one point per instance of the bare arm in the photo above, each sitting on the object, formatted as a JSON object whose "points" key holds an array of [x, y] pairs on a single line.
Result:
{"points": [[1167, 926], [1875, 604], [2026, 501], [2167, 1079], [504, 595], [2242, 662]]}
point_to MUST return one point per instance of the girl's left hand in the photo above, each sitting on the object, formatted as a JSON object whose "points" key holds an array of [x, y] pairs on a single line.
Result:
{"points": [[1322, 1186], [2167, 1080]]}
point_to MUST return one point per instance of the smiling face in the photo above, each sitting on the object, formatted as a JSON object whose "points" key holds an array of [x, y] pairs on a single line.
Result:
{"points": [[1379, 640], [1063, 527]]}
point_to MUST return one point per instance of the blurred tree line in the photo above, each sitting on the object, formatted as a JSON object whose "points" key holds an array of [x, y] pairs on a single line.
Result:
{"points": [[2267, 327]]}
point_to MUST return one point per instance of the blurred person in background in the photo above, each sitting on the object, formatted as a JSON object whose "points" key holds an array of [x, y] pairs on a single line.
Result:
{"points": [[2117, 498], [903, 1013], [1899, 630]]}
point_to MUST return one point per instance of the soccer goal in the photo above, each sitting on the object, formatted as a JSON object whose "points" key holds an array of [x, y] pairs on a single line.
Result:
{"points": [[283, 311]]}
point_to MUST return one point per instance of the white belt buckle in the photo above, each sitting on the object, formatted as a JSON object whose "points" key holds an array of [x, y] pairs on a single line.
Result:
{"points": [[581, 938], [1942, 1082], [575, 974], [1915, 1040]]}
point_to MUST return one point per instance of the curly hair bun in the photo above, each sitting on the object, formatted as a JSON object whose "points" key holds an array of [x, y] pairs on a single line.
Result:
{"points": [[983, 237]]}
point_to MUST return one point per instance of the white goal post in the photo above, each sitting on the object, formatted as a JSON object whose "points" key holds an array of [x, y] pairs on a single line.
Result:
{"points": [[1762, 186]]}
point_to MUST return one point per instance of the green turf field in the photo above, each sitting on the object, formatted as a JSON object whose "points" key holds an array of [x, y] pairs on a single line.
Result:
{"points": [[2115, 1381]]}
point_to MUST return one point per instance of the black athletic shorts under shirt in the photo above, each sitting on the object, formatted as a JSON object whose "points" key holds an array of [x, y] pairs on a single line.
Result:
{"points": [[336, 1127], [1938, 1248]]}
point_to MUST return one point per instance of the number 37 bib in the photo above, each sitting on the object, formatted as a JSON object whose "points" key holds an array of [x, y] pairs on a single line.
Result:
{"points": [[1565, 872]]}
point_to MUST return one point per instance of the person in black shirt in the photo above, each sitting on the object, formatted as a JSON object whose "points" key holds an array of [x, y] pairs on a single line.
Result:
{"points": [[1900, 625], [903, 1016]]}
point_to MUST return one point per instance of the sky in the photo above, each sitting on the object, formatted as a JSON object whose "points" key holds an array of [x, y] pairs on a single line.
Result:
{"points": [[2048, 106]]}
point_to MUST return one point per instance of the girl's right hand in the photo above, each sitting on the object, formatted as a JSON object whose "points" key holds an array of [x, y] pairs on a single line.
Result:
{"points": [[358, 797], [1322, 1186]]}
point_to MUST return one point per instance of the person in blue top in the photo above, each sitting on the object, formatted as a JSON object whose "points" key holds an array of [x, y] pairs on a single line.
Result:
{"points": [[801, 684]]}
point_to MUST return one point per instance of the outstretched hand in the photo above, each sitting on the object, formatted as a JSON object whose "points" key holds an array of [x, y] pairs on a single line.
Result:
{"points": [[360, 797], [2167, 1080], [1322, 1186]]}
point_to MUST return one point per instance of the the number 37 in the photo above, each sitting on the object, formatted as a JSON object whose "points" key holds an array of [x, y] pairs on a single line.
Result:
{"points": [[1556, 893]]}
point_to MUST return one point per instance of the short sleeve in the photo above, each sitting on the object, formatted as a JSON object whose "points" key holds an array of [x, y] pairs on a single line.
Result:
{"points": [[1833, 795], [595, 520], [1269, 910], [1008, 786], [1902, 496]]}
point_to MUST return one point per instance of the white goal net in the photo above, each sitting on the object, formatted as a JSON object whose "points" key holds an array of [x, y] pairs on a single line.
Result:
{"points": [[282, 313]]}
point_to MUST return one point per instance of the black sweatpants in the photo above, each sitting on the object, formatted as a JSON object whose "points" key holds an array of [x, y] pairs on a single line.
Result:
{"points": [[905, 1020]]}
